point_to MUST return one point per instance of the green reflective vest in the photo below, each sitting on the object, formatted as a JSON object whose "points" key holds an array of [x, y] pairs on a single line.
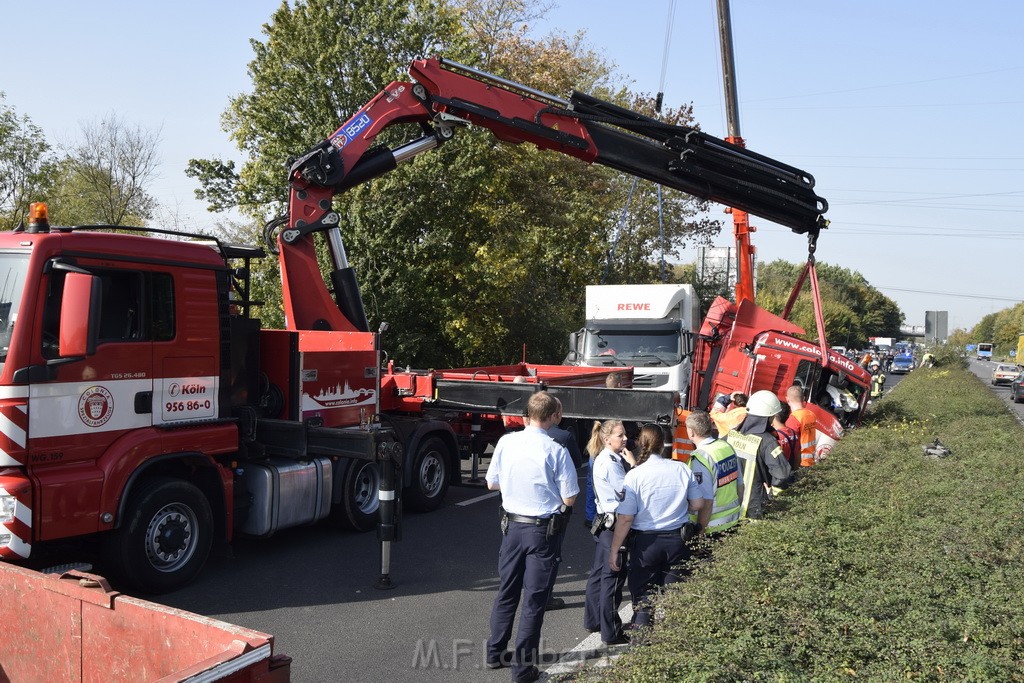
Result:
{"points": [[721, 461]]}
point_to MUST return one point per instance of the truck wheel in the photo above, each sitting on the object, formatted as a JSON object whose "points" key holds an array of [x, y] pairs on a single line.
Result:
{"points": [[165, 538], [360, 497], [430, 476]]}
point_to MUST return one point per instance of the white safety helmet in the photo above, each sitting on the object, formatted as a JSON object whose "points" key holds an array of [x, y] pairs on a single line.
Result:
{"points": [[763, 404]]}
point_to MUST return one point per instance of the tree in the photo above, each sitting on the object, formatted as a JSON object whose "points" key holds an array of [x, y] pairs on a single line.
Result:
{"points": [[1002, 328], [26, 166], [104, 175], [985, 330], [852, 309], [471, 251]]}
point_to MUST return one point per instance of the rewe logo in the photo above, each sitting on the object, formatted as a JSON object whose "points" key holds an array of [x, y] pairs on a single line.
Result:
{"points": [[633, 307]]}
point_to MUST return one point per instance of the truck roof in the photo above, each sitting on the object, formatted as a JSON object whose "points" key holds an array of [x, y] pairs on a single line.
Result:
{"points": [[611, 302], [103, 241]]}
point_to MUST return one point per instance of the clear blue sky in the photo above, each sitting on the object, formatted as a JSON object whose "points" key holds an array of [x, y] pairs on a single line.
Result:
{"points": [[907, 113]]}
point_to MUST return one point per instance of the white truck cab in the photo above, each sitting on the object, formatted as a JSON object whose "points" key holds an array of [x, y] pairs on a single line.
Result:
{"points": [[648, 327]]}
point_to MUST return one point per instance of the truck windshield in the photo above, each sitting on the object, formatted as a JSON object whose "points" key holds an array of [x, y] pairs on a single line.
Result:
{"points": [[13, 270], [634, 347]]}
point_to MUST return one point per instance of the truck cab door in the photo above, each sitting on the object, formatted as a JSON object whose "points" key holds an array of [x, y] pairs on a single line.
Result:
{"points": [[82, 404]]}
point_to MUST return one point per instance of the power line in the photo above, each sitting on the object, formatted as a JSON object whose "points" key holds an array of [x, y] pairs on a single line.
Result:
{"points": [[962, 296]]}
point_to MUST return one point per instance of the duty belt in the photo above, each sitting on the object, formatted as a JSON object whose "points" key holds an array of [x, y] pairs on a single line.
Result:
{"points": [[523, 519], [661, 531]]}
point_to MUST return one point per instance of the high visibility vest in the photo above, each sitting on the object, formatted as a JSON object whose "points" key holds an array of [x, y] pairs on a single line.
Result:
{"points": [[681, 444], [746, 446], [729, 420], [721, 461], [807, 428], [877, 385]]}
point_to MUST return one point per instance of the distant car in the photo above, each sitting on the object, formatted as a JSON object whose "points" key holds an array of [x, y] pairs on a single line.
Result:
{"points": [[1017, 388], [902, 364], [1004, 374]]}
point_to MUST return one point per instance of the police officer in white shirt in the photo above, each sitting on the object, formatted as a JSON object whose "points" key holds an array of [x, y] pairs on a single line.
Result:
{"points": [[604, 585], [658, 497], [538, 485]]}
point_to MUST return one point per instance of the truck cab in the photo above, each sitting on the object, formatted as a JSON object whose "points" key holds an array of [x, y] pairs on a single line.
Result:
{"points": [[648, 327]]}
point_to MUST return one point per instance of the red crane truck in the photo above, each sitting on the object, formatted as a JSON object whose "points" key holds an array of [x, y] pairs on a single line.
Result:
{"points": [[140, 402]]}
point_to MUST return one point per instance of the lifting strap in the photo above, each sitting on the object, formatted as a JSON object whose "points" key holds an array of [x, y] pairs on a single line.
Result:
{"points": [[819, 317]]}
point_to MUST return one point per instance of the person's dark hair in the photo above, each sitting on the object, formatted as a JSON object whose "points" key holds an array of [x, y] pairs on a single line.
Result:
{"points": [[739, 399], [650, 442], [542, 406], [784, 414]]}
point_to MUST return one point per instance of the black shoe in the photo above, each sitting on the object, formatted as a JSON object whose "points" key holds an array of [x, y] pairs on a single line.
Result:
{"points": [[554, 603], [504, 659], [529, 676], [621, 639], [592, 630]]}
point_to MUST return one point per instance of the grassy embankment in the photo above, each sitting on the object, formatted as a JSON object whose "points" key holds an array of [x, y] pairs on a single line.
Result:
{"points": [[879, 565]]}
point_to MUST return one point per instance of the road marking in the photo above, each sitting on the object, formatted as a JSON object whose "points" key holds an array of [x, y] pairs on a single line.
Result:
{"points": [[464, 503], [584, 654]]}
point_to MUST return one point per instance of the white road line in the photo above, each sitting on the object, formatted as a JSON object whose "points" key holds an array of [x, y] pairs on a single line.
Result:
{"points": [[584, 653], [464, 503]]}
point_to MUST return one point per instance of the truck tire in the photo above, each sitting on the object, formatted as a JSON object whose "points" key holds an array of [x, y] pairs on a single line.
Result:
{"points": [[165, 537], [430, 475], [360, 498]]}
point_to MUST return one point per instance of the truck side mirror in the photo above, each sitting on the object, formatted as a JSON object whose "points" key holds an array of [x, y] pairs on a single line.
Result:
{"points": [[79, 315], [574, 351]]}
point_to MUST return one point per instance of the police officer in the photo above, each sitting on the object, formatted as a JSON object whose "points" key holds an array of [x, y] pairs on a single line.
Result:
{"points": [[765, 468], [563, 437], [657, 499], [604, 585], [719, 476], [538, 487]]}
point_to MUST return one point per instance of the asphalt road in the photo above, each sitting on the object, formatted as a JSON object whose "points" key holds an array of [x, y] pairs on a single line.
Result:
{"points": [[313, 589], [983, 369]]}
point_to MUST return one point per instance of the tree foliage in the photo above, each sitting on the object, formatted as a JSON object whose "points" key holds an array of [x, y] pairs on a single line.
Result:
{"points": [[1002, 328], [26, 165], [852, 309], [104, 176], [480, 247]]}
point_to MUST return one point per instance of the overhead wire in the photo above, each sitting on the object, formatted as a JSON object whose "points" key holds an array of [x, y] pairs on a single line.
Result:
{"points": [[620, 225]]}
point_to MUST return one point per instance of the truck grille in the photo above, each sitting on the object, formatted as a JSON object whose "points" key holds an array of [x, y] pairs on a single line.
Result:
{"points": [[648, 381]]}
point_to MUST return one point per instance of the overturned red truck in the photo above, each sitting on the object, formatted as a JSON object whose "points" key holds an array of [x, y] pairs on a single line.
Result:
{"points": [[141, 404]]}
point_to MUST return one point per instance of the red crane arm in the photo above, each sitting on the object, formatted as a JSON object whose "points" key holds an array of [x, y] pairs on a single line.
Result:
{"points": [[443, 95]]}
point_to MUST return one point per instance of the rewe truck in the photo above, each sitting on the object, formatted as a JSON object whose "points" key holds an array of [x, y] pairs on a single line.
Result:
{"points": [[649, 327], [142, 405]]}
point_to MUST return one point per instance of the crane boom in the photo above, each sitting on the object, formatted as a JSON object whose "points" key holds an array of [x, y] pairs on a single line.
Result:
{"points": [[443, 95]]}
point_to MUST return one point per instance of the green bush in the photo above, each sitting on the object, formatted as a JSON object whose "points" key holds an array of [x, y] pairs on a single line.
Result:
{"points": [[878, 565], [949, 357]]}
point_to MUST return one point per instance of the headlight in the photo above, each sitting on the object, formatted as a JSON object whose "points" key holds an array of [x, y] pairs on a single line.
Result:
{"points": [[7, 506]]}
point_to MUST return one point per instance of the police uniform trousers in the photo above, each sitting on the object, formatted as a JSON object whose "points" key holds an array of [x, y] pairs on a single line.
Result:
{"points": [[651, 566], [604, 591], [527, 566]]}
